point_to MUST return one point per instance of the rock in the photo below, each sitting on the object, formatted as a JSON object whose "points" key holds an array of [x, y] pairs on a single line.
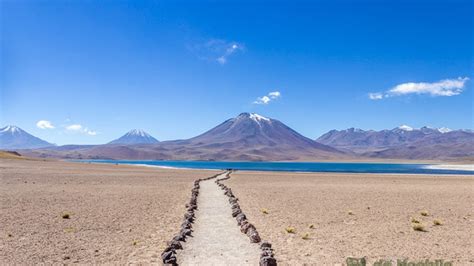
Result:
{"points": [[179, 238], [268, 261], [233, 200], [168, 257], [236, 212], [265, 245], [174, 244], [186, 232], [253, 235], [267, 252], [189, 217], [240, 218], [245, 227], [186, 225]]}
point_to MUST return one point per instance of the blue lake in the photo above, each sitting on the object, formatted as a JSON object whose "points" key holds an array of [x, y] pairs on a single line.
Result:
{"points": [[336, 167]]}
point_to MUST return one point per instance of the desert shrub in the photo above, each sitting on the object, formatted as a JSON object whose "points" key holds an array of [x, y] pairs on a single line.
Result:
{"points": [[419, 227]]}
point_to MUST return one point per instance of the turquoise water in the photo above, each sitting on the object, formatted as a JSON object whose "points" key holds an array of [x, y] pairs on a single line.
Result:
{"points": [[296, 166]]}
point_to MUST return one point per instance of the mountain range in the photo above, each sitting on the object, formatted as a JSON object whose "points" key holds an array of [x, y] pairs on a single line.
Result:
{"points": [[252, 137], [403, 142]]}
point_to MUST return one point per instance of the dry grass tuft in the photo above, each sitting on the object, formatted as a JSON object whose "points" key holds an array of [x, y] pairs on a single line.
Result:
{"points": [[350, 212], [264, 211], [437, 222], [69, 230], [419, 227], [305, 236], [415, 221], [311, 226], [290, 230], [424, 213], [66, 216]]}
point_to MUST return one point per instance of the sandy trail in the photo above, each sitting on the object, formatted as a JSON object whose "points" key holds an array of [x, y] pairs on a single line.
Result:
{"points": [[217, 239]]}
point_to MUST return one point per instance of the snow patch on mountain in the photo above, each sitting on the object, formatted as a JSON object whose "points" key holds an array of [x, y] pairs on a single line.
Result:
{"points": [[257, 117], [12, 129], [137, 132], [444, 130], [405, 127]]}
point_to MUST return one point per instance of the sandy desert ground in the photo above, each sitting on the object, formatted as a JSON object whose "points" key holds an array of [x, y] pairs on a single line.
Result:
{"points": [[118, 214], [357, 215], [125, 214]]}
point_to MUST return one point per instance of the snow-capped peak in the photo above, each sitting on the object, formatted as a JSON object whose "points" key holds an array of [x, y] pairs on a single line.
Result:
{"points": [[12, 129], [405, 127], [444, 130], [257, 117], [137, 132]]}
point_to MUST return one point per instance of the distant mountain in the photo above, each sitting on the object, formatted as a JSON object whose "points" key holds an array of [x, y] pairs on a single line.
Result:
{"points": [[251, 136], [247, 137], [135, 136], [12, 137], [249, 130], [450, 145], [403, 142]]}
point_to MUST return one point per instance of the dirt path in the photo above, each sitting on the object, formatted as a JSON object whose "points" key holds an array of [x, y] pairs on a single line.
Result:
{"points": [[217, 239]]}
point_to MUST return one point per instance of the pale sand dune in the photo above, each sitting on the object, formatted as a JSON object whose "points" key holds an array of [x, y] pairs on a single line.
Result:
{"points": [[217, 239], [112, 207], [380, 224]]}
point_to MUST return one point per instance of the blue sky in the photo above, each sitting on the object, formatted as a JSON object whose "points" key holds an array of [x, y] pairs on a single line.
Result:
{"points": [[176, 69]]}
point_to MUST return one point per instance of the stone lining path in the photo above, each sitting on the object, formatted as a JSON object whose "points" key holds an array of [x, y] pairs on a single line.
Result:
{"points": [[216, 239]]}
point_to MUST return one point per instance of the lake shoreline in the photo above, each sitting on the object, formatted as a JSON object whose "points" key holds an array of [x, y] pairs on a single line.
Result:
{"points": [[302, 167]]}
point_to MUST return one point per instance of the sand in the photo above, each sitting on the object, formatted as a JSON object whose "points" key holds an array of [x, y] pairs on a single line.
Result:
{"points": [[125, 214], [357, 215], [217, 239], [118, 214]]}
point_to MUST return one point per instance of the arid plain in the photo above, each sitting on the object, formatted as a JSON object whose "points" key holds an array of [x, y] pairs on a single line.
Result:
{"points": [[360, 215], [125, 214], [117, 214]]}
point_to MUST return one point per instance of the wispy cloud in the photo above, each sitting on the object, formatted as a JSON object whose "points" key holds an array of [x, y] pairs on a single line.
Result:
{"points": [[266, 99], [217, 50], [446, 87], [80, 129], [44, 124]]}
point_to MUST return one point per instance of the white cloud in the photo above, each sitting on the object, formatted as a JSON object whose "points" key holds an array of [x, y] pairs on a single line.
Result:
{"points": [[262, 100], [80, 129], [91, 132], [75, 127], [216, 50], [274, 94], [44, 124], [446, 87], [376, 96], [231, 48], [266, 99]]}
